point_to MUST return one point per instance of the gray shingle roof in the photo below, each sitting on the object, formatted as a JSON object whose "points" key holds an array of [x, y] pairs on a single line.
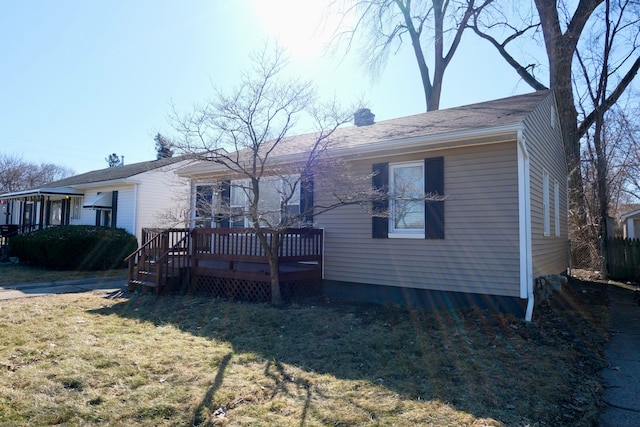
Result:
{"points": [[114, 173], [488, 114], [468, 118]]}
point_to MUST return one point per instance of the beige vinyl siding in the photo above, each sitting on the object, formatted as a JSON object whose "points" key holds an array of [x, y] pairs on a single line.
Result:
{"points": [[480, 252], [550, 254]]}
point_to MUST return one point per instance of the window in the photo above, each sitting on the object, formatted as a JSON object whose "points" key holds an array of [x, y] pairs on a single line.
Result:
{"points": [[279, 201], [76, 207], [545, 204], [405, 212], [103, 218], [106, 209], [406, 195], [556, 207], [238, 202], [204, 200], [55, 213]]}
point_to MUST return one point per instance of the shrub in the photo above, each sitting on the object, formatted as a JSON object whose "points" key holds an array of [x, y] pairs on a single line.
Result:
{"points": [[74, 247]]}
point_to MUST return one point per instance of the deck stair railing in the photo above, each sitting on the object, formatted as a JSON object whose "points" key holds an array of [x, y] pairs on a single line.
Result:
{"points": [[214, 260], [162, 261]]}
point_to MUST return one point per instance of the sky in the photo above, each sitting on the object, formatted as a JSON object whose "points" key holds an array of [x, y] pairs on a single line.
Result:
{"points": [[82, 79]]}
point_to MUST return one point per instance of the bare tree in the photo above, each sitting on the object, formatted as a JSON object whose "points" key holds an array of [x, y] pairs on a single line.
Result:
{"points": [[563, 32], [433, 27], [17, 174], [627, 168], [245, 134]]}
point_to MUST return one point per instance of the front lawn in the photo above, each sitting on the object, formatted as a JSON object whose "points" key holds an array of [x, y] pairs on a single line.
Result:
{"points": [[84, 359], [15, 274]]}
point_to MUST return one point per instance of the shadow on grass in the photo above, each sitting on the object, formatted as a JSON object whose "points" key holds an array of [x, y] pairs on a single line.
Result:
{"points": [[482, 363], [199, 417]]}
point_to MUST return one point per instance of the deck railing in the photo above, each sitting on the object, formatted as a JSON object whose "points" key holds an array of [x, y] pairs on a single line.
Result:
{"points": [[181, 253], [243, 244]]}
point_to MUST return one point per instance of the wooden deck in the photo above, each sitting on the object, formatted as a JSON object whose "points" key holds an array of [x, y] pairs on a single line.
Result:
{"points": [[226, 262]]}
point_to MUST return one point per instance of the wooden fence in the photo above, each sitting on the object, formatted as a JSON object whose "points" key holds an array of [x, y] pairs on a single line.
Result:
{"points": [[624, 259]]}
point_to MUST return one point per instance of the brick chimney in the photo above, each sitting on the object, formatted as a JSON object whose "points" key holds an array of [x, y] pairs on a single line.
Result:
{"points": [[363, 117]]}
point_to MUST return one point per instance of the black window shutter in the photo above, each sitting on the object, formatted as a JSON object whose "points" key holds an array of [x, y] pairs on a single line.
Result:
{"points": [[380, 181], [225, 194], [306, 198], [114, 209], [434, 209]]}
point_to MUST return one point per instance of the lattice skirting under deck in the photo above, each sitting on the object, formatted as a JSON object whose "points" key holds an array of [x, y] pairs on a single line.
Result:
{"points": [[254, 291]]}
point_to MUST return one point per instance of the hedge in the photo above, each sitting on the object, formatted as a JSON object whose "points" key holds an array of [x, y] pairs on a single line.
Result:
{"points": [[74, 247]]}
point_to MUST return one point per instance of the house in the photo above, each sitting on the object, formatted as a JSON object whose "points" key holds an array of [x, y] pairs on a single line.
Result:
{"points": [[132, 197], [502, 222], [631, 224]]}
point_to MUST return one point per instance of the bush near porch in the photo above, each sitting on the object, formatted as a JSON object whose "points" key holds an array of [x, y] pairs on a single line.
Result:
{"points": [[74, 247]]}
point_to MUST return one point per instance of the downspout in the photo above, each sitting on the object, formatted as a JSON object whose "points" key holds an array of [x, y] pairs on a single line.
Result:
{"points": [[135, 213], [524, 201]]}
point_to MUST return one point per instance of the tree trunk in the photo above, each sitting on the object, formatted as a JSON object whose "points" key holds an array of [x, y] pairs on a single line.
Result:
{"points": [[271, 249], [274, 267], [560, 51]]}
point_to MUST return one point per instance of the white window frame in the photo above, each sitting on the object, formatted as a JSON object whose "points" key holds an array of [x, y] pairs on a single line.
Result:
{"points": [[76, 208], [415, 233], [556, 207], [546, 218]]}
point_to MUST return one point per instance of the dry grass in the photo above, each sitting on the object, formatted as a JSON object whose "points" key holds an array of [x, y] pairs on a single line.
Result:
{"points": [[178, 360]]}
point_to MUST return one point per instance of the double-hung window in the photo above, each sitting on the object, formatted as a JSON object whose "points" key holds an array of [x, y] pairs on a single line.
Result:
{"points": [[556, 208], [546, 209], [410, 199], [406, 196]]}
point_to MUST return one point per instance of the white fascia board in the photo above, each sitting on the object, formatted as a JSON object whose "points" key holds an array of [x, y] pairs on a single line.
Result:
{"points": [[60, 191], [111, 183], [630, 214]]}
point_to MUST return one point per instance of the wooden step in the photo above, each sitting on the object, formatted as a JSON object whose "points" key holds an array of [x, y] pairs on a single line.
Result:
{"points": [[134, 284]]}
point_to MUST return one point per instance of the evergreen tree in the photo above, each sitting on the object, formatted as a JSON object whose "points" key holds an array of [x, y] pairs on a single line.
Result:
{"points": [[163, 147]]}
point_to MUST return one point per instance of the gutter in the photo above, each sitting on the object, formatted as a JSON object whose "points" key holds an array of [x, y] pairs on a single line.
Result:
{"points": [[524, 220]]}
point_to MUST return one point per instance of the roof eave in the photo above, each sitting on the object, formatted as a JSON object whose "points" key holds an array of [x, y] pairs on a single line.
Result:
{"points": [[456, 139], [109, 183], [60, 191], [629, 215]]}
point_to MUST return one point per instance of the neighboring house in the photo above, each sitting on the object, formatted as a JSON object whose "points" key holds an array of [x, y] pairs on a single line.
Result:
{"points": [[631, 224], [501, 167], [132, 197]]}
